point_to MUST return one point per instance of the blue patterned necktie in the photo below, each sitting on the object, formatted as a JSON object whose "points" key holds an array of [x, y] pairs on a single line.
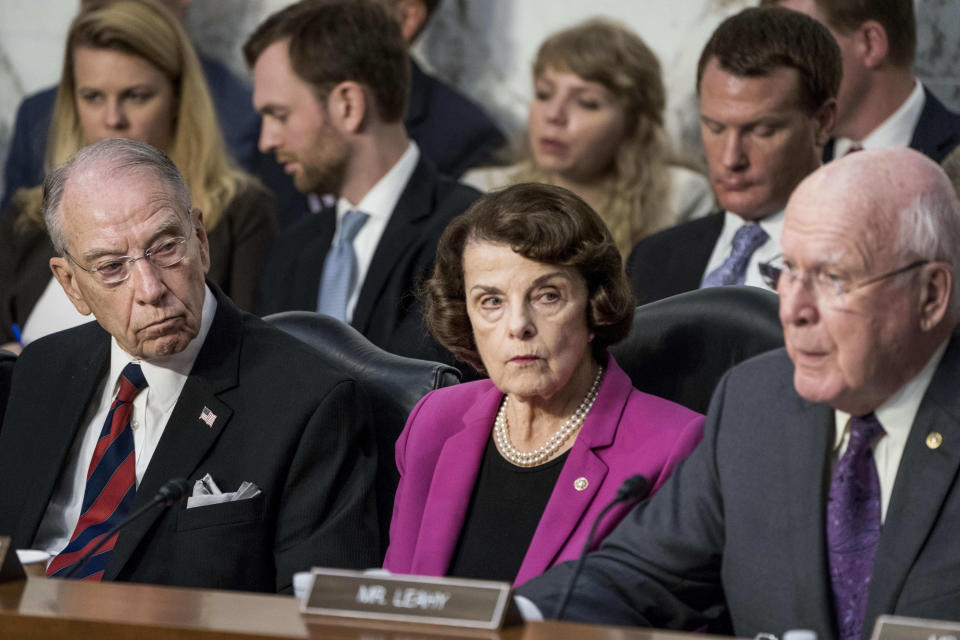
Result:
{"points": [[853, 525], [340, 267], [111, 485], [746, 240]]}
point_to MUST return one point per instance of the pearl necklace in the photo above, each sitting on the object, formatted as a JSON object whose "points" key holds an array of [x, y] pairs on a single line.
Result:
{"points": [[544, 452]]}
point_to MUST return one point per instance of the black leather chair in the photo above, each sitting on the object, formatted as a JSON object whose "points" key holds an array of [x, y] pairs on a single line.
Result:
{"points": [[393, 384], [680, 347], [7, 360]]}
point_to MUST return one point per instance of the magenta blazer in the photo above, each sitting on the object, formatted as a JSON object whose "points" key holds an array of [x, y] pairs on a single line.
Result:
{"points": [[441, 448]]}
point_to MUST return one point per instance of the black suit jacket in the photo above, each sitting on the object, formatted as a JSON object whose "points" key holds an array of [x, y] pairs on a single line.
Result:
{"points": [[387, 312], [450, 128], [673, 260], [737, 534], [284, 421], [936, 135]]}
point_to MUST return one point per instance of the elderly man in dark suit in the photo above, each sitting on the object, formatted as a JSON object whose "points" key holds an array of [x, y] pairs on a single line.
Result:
{"points": [[767, 81], [825, 490], [173, 381], [331, 81], [881, 103]]}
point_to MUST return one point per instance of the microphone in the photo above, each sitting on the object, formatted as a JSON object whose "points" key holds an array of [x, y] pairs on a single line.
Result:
{"points": [[633, 488], [172, 492]]}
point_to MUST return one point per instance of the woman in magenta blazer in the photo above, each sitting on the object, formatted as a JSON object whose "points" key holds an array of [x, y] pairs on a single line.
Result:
{"points": [[502, 478]]}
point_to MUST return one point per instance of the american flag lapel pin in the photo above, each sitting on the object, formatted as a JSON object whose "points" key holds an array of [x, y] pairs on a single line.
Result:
{"points": [[208, 416]]}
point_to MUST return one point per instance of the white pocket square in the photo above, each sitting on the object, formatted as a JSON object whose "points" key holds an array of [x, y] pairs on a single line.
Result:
{"points": [[206, 492]]}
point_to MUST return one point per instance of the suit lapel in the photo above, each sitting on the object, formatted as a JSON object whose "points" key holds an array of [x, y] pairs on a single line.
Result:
{"points": [[452, 486], [703, 249], [924, 479], [808, 435], [59, 434], [567, 506], [936, 132], [186, 438], [415, 204], [304, 281]]}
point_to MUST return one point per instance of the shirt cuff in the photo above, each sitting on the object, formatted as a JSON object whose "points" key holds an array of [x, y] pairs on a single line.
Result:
{"points": [[528, 611]]}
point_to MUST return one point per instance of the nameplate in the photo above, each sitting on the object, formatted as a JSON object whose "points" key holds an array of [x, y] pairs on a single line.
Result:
{"points": [[10, 567], [900, 628], [456, 602]]}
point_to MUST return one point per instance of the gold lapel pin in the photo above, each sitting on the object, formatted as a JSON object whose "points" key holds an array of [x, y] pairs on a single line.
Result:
{"points": [[934, 440], [580, 484]]}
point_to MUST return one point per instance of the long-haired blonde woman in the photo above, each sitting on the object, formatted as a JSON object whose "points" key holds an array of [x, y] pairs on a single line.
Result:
{"points": [[131, 72], [596, 127]]}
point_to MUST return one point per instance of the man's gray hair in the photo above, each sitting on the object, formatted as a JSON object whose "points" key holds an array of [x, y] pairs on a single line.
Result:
{"points": [[117, 156], [930, 230]]}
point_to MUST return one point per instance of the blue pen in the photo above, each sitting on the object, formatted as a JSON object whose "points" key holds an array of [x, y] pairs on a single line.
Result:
{"points": [[16, 332]]}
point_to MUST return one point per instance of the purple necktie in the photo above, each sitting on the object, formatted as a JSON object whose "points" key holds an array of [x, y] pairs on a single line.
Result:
{"points": [[746, 240], [853, 525]]}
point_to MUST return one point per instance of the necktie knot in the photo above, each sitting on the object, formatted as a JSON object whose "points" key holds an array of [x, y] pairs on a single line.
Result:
{"points": [[863, 431], [746, 240], [350, 226], [854, 148], [132, 382]]}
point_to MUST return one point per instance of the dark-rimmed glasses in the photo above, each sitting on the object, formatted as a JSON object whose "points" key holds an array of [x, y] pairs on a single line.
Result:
{"points": [[115, 270]]}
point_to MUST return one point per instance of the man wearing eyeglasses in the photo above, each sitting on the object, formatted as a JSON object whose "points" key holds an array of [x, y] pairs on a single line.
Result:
{"points": [[173, 381], [825, 491]]}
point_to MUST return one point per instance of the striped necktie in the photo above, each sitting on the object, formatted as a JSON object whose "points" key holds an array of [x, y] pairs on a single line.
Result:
{"points": [[340, 267], [111, 485]]}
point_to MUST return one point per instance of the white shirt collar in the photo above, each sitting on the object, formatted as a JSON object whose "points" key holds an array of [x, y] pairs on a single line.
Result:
{"points": [[898, 412], [772, 224], [381, 200], [895, 131], [165, 376]]}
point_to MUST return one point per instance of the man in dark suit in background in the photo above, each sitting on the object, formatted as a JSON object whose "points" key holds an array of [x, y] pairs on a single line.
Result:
{"points": [[767, 81], [330, 80], [238, 122], [451, 129], [881, 103], [173, 381], [825, 490]]}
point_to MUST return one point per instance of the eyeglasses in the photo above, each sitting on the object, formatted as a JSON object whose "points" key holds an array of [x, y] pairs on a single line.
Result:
{"points": [[164, 254], [829, 287]]}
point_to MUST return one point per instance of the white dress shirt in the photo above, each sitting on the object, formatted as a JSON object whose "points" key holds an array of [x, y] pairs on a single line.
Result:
{"points": [[378, 204], [895, 131], [896, 415], [772, 224], [151, 411]]}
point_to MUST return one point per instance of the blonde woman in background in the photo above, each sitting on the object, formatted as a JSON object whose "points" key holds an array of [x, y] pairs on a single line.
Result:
{"points": [[596, 127], [131, 72]]}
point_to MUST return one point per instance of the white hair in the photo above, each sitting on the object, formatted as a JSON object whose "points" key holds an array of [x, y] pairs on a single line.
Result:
{"points": [[120, 156], [929, 229]]}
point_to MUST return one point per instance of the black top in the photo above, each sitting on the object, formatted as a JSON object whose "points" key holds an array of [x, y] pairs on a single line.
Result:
{"points": [[504, 511]]}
